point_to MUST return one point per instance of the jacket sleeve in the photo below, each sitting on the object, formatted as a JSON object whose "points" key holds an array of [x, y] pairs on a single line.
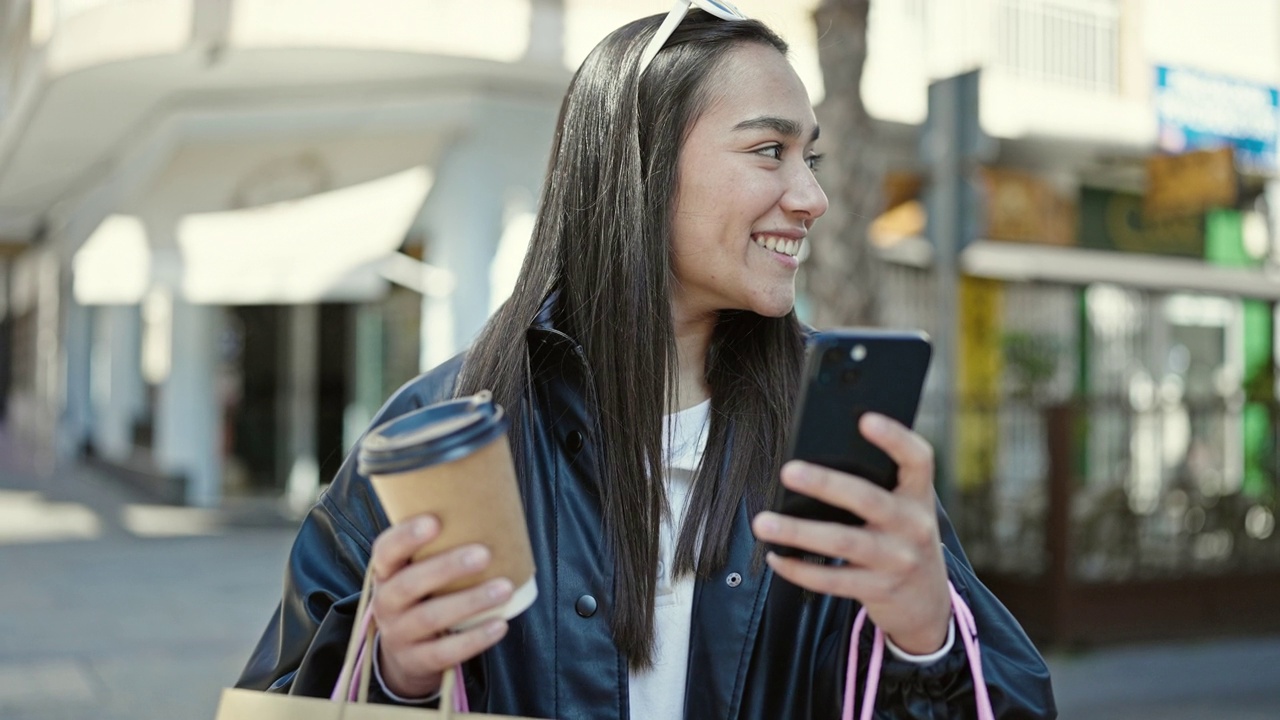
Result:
{"points": [[302, 649], [1016, 676]]}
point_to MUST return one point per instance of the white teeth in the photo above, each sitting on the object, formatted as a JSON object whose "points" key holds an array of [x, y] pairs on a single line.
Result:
{"points": [[779, 244]]}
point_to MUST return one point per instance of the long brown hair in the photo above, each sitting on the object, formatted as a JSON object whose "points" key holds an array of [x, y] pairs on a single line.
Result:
{"points": [[602, 241]]}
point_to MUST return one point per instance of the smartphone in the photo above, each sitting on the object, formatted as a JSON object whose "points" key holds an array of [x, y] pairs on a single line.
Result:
{"points": [[847, 373]]}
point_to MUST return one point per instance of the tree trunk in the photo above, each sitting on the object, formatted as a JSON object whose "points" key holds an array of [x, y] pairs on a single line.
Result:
{"points": [[840, 275]]}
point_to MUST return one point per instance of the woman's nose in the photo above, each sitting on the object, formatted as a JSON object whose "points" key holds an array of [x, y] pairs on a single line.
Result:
{"points": [[805, 195]]}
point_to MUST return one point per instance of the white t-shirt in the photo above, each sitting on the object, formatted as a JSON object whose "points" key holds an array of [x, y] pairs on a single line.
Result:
{"points": [[658, 692]]}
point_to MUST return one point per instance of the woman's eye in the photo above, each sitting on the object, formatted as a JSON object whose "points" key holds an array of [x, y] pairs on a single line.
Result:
{"points": [[772, 151], [814, 161]]}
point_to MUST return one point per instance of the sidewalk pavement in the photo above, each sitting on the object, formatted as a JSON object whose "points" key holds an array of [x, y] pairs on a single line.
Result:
{"points": [[112, 608], [1218, 680]]}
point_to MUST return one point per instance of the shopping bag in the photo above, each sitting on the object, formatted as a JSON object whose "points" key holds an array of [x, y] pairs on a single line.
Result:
{"points": [[350, 695], [239, 704], [968, 635]]}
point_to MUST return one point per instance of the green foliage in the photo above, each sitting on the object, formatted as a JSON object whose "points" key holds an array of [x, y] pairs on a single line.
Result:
{"points": [[1032, 361]]}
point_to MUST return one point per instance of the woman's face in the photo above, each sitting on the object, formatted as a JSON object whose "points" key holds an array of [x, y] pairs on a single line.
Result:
{"points": [[746, 195]]}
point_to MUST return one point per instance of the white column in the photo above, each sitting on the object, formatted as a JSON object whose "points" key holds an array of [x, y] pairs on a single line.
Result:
{"points": [[1135, 69], [464, 217], [188, 430], [438, 342], [180, 354], [117, 388], [48, 386], [75, 414], [546, 32], [366, 373], [299, 387], [464, 223]]}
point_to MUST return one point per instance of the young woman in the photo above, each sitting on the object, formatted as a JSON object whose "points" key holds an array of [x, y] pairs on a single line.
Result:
{"points": [[648, 358]]}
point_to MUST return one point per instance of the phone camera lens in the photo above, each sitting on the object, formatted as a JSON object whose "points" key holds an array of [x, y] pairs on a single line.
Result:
{"points": [[850, 376], [831, 357]]}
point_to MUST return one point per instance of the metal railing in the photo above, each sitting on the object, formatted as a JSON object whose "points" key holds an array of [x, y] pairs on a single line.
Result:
{"points": [[1068, 42], [1199, 511], [1073, 43]]}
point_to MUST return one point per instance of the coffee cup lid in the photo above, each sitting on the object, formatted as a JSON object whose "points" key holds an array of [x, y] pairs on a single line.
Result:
{"points": [[435, 434]]}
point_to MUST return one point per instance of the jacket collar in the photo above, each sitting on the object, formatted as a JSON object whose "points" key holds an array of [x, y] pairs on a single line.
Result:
{"points": [[545, 320], [543, 326]]}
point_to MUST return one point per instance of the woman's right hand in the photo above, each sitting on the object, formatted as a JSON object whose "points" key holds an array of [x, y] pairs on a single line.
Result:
{"points": [[415, 645]]}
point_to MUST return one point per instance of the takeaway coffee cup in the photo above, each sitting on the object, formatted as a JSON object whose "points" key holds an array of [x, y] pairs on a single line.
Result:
{"points": [[452, 460]]}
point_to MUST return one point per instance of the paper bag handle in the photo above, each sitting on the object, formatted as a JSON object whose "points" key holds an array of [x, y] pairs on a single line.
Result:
{"points": [[453, 692]]}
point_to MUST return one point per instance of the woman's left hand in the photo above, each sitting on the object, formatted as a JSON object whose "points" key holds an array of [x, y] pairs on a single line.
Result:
{"points": [[894, 564]]}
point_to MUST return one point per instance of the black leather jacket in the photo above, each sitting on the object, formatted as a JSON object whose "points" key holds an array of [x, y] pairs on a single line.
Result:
{"points": [[759, 648]]}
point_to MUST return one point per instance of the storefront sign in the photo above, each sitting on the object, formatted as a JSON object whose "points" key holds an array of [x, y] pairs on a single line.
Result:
{"points": [[1191, 183], [1021, 207], [1200, 110], [1116, 221]]}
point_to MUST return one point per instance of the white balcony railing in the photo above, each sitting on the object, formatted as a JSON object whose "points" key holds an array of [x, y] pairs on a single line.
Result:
{"points": [[1073, 43], [1069, 42]]}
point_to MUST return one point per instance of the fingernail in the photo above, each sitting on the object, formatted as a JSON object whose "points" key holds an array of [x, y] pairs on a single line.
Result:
{"points": [[422, 527], [499, 589], [495, 628], [767, 523], [474, 557], [874, 422], [799, 472]]}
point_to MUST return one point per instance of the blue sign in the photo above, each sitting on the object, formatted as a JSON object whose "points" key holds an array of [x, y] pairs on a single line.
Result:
{"points": [[1197, 110]]}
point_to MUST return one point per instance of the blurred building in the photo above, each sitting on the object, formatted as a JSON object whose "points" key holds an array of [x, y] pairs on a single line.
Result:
{"points": [[231, 228], [218, 215], [1113, 464]]}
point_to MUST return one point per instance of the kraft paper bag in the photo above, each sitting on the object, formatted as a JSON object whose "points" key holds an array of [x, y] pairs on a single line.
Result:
{"points": [[256, 705]]}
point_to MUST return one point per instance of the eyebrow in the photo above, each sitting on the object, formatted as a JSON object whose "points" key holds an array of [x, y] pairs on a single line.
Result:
{"points": [[780, 125]]}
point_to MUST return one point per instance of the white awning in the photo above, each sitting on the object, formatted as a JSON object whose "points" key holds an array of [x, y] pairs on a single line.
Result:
{"points": [[1025, 262], [328, 247]]}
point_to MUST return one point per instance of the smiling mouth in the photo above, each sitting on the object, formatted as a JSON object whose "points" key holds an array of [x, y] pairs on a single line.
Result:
{"points": [[778, 244]]}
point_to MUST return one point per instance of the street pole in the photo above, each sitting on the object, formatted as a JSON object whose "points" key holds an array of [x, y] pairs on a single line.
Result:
{"points": [[952, 145]]}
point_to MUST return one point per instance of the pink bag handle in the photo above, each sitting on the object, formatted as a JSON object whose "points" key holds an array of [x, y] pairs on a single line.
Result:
{"points": [[968, 635], [453, 689]]}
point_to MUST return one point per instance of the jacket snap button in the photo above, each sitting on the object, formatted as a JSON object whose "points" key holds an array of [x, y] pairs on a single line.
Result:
{"points": [[586, 606], [573, 441], [734, 580]]}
